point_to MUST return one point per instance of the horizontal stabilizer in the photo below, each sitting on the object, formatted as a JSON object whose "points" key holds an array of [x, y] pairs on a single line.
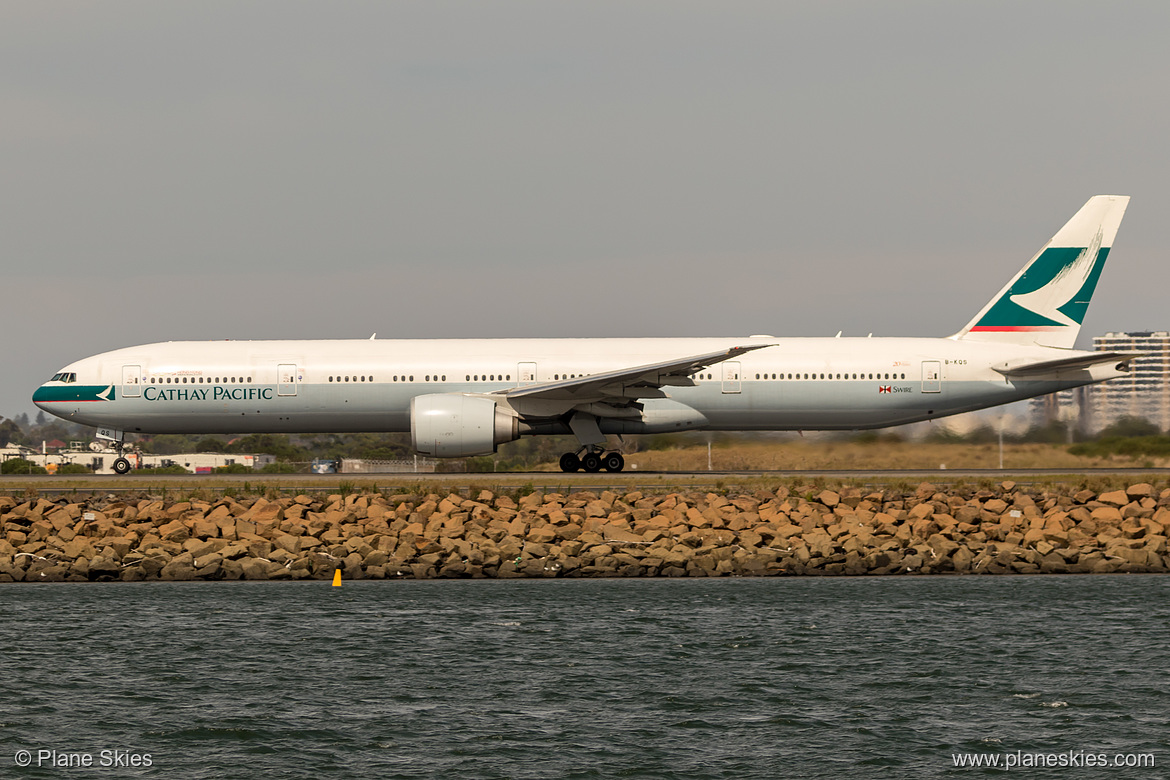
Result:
{"points": [[1077, 363]]}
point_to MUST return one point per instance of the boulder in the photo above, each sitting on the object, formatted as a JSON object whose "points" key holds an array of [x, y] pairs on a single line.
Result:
{"points": [[175, 531], [287, 542], [1116, 498], [828, 498], [1140, 490], [176, 571], [253, 568]]}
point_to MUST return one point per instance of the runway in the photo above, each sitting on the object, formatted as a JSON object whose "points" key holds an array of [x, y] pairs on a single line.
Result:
{"points": [[549, 481]]}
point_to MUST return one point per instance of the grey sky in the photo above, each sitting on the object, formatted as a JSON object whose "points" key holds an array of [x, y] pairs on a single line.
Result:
{"points": [[207, 170]]}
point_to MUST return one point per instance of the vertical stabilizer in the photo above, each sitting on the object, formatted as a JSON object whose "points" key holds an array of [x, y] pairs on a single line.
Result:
{"points": [[1045, 302]]}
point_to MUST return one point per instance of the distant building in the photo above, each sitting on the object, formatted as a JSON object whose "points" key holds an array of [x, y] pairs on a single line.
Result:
{"points": [[364, 466], [1144, 392], [99, 458]]}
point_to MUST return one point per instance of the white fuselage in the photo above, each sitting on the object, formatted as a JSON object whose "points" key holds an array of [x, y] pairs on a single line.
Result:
{"points": [[367, 385]]}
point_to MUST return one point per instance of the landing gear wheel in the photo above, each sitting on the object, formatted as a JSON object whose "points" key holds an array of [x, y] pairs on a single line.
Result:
{"points": [[613, 461], [570, 462], [121, 466], [591, 462]]}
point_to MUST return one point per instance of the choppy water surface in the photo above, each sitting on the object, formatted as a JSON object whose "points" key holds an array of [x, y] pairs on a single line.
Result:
{"points": [[602, 678]]}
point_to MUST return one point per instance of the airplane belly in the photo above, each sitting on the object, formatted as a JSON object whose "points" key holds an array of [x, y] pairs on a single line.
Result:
{"points": [[809, 406]]}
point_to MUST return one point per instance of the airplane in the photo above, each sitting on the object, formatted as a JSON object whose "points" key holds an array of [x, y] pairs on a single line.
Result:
{"points": [[465, 397]]}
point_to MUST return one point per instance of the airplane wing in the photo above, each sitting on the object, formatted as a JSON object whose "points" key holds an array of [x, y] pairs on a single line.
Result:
{"points": [[1075, 363], [627, 383]]}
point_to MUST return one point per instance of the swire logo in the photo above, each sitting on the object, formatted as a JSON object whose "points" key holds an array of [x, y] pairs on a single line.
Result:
{"points": [[885, 389]]}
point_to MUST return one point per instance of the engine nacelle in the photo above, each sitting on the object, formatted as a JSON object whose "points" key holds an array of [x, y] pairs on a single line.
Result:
{"points": [[452, 425]]}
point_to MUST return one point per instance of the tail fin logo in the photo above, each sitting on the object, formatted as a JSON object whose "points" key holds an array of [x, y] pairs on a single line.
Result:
{"points": [[1052, 294], [1049, 300], [1046, 302]]}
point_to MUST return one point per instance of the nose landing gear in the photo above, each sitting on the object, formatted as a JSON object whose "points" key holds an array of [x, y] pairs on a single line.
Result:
{"points": [[121, 463]]}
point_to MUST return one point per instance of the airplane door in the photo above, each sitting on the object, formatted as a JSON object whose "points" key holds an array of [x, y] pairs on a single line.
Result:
{"points": [[527, 374], [731, 376], [286, 379], [131, 381], [931, 376]]}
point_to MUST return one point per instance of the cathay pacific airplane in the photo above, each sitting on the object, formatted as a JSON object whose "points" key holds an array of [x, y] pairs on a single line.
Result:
{"points": [[464, 397]]}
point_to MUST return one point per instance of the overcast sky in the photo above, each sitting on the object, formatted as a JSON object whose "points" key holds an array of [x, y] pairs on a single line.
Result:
{"points": [[209, 170]]}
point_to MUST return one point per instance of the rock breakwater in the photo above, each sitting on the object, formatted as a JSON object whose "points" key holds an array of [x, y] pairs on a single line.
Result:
{"points": [[813, 531]]}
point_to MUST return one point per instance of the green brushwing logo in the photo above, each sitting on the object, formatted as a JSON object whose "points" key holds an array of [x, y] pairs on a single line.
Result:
{"points": [[1053, 292]]}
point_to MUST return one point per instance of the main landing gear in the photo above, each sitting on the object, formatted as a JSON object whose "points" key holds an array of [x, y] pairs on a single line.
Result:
{"points": [[592, 461]]}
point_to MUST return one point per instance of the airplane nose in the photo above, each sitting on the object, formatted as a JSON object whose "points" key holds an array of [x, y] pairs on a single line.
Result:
{"points": [[41, 397]]}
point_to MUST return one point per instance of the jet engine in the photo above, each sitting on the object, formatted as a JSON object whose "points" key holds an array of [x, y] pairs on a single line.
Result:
{"points": [[452, 425]]}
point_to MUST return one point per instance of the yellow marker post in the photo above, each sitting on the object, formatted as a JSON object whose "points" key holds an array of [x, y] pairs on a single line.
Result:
{"points": [[337, 578]]}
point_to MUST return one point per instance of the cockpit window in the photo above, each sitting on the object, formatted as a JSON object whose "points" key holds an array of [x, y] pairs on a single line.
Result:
{"points": [[64, 376]]}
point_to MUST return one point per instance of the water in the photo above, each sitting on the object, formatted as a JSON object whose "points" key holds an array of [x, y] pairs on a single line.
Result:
{"points": [[748, 678]]}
